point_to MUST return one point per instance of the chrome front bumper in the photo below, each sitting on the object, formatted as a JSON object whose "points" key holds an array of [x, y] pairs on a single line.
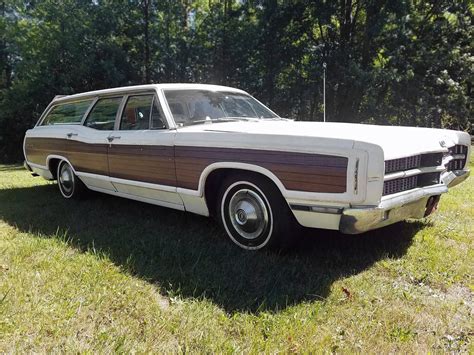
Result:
{"points": [[361, 219]]}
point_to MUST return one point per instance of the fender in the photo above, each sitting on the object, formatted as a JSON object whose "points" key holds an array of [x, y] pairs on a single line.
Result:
{"points": [[231, 165]]}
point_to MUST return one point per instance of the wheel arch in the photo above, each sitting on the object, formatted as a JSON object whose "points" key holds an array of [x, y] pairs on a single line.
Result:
{"points": [[52, 162], [215, 173]]}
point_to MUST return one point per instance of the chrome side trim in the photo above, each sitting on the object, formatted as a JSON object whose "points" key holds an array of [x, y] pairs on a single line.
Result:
{"points": [[139, 198], [413, 172], [146, 185], [318, 209]]}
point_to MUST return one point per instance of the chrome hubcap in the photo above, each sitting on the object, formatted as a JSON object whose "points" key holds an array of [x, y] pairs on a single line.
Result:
{"points": [[248, 213], [66, 179]]}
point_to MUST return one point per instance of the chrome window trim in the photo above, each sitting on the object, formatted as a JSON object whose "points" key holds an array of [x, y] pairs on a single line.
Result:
{"points": [[159, 106], [97, 99], [53, 104], [94, 101], [118, 118]]}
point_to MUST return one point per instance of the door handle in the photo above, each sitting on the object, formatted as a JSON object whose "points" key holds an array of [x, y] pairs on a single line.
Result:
{"points": [[111, 138], [71, 134]]}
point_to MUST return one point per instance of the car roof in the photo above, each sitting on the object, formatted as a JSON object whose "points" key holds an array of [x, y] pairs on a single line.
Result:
{"points": [[148, 87]]}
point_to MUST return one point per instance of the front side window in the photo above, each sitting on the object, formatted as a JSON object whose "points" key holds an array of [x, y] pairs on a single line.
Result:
{"points": [[103, 114], [136, 114], [142, 112], [67, 113], [201, 106]]}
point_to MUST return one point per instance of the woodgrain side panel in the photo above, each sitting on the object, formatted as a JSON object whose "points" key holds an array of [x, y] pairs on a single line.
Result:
{"points": [[183, 166], [88, 158], [297, 171], [146, 163]]}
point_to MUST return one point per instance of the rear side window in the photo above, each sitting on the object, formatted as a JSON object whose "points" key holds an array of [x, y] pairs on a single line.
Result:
{"points": [[68, 113], [103, 114]]}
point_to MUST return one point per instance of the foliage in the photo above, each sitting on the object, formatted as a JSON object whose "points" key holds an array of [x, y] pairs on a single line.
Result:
{"points": [[388, 62]]}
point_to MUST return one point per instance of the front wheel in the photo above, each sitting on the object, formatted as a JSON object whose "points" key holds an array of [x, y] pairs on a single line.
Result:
{"points": [[69, 184], [254, 213]]}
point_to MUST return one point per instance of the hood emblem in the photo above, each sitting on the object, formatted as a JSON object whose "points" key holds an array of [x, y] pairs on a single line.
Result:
{"points": [[442, 144]]}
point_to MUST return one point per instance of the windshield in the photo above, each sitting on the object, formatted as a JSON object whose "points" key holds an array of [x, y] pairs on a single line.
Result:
{"points": [[201, 106]]}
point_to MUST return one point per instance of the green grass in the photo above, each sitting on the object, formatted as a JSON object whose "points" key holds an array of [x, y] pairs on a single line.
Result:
{"points": [[108, 274]]}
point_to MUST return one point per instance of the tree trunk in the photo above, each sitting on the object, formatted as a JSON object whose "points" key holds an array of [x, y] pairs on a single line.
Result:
{"points": [[5, 69], [146, 28]]}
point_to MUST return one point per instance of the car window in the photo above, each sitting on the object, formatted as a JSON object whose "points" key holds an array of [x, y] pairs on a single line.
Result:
{"points": [[142, 112], [201, 106], [68, 113], [136, 114], [103, 114]]}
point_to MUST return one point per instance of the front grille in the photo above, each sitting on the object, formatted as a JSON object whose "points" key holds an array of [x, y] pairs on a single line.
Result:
{"points": [[399, 185], [401, 164], [460, 156], [415, 161], [408, 183]]}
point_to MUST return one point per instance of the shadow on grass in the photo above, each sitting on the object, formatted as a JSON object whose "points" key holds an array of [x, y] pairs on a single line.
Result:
{"points": [[11, 167], [189, 256]]}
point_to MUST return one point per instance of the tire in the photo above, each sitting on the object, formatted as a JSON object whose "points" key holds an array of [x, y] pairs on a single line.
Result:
{"points": [[69, 184], [254, 213]]}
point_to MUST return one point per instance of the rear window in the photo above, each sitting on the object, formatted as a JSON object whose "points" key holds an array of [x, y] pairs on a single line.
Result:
{"points": [[67, 113]]}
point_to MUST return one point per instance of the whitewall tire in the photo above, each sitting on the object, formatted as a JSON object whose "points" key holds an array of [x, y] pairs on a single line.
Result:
{"points": [[69, 184], [254, 214]]}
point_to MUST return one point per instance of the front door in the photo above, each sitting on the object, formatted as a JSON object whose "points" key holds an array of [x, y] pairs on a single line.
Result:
{"points": [[141, 154]]}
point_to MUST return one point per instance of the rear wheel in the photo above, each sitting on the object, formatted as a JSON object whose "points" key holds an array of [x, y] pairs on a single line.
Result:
{"points": [[254, 213], [69, 184]]}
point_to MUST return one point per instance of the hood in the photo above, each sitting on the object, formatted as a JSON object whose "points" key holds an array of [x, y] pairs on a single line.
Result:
{"points": [[396, 141]]}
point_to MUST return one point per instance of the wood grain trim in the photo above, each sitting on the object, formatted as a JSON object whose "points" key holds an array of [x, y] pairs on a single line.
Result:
{"points": [[296, 171], [88, 158], [145, 163], [182, 166]]}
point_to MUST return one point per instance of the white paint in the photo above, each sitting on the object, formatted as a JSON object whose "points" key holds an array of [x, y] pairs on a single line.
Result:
{"points": [[139, 198], [149, 87], [194, 204], [94, 180], [311, 219], [44, 173], [396, 141]]}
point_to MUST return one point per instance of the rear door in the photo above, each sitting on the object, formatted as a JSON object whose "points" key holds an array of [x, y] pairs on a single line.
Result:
{"points": [[141, 154], [92, 142]]}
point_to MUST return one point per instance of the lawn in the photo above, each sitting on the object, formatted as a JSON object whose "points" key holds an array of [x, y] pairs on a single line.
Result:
{"points": [[107, 274]]}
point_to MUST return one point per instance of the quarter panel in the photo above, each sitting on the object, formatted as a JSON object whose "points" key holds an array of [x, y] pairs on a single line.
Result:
{"points": [[84, 157]]}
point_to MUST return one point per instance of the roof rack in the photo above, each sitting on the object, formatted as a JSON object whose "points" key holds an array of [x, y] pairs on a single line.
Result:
{"points": [[59, 96]]}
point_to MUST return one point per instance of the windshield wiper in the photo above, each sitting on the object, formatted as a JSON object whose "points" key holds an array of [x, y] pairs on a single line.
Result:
{"points": [[210, 120], [233, 119], [221, 119]]}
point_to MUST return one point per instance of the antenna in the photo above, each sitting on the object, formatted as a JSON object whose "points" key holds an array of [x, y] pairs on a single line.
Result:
{"points": [[324, 92]]}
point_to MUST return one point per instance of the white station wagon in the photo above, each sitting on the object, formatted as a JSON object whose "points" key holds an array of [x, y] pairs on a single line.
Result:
{"points": [[215, 150]]}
